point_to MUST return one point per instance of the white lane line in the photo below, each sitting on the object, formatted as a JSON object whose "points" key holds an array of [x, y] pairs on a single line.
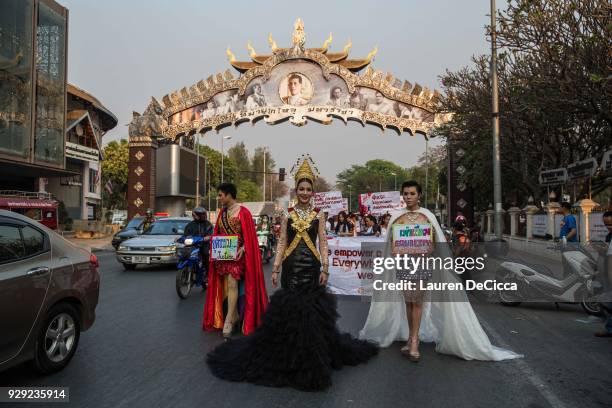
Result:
{"points": [[545, 391]]}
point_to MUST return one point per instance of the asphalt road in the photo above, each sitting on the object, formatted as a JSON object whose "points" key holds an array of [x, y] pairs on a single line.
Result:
{"points": [[147, 349]]}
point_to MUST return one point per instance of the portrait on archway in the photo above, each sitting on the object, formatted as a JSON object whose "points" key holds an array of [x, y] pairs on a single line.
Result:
{"points": [[296, 89]]}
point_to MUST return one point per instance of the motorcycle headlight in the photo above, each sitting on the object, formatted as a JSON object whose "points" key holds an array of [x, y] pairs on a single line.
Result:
{"points": [[188, 241], [166, 248], [124, 248]]}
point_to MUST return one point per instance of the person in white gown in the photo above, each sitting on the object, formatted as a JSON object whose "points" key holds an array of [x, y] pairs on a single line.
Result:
{"points": [[444, 317]]}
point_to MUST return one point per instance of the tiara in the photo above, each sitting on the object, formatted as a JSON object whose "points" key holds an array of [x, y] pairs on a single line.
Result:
{"points": [[305, 168]]}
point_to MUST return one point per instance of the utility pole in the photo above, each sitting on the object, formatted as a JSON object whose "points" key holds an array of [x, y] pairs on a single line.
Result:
{"points": [[426, 170], [264, 173], [197, 151], [497, 196], [206, 189]]}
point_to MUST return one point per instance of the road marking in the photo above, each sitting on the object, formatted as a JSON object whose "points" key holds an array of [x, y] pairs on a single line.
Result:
{"points": [[545, 391]]}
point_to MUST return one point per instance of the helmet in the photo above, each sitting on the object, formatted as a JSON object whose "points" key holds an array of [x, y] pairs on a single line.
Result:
{"points": [[199, 210], [149, 212]]}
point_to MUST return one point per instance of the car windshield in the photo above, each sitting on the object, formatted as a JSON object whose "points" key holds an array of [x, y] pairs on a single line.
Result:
{"points": [[167, 227], [134, 223]]}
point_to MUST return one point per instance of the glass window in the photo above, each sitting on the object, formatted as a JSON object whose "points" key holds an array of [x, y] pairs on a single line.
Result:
{"points": [[33, 241], [134, 223], [50, 86], [15, 76], [11, 245], [93, 180], [167, 228]]}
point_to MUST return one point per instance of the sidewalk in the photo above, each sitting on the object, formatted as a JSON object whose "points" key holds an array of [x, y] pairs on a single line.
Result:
{"points": [[94, 244]]}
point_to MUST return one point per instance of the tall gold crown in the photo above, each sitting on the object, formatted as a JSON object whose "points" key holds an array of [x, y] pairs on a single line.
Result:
{"points": [[305, 169]]}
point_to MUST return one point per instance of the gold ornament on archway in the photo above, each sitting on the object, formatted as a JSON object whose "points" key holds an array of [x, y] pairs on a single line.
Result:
{"points": [[331, 85]]}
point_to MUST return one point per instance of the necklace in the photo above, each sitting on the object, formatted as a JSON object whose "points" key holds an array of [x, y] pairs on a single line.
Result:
{"points": [[412, 216], [231, 208], [303, 212]]}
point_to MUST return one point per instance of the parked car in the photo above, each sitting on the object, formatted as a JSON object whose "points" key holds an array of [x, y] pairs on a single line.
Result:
{"points": [[48, 294], [131, 229], [156, 245]]}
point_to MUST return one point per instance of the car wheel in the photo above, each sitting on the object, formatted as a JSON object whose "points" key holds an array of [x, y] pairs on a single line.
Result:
{"points": [[129, 267], [58, 339]]}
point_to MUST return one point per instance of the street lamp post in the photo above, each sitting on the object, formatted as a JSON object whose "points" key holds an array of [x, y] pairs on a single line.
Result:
{"points": [[264, 173], [394, 181], [222, 154], [495, 124]]}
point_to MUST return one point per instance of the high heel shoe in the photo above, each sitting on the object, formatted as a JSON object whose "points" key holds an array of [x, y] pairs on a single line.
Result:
{"points": [[228, 328], [413, 356]]}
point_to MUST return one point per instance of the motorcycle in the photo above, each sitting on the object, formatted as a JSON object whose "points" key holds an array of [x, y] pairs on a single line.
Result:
{"points": [[265, 245], [537, 282], [190, 265]]}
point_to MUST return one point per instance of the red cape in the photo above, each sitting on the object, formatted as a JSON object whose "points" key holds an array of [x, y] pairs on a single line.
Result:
{"points": [[256, 298]]}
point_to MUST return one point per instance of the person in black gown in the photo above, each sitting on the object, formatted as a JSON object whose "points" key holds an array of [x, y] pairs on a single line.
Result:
{"points": [[298, 343]]}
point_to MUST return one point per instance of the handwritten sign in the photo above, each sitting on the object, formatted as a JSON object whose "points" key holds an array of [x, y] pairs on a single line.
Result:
{"points": [[412, 238], [224, 247], [330, 202], [379, 203]]}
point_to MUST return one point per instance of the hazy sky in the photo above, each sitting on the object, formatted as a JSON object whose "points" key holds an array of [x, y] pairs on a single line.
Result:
{"points": [[124, 52]]}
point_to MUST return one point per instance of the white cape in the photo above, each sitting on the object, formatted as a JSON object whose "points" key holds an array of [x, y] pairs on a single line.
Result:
{"points": [[448, 320]]}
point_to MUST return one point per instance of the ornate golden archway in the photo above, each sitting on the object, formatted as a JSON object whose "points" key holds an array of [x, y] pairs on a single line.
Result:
{"points": [[290, 84]]}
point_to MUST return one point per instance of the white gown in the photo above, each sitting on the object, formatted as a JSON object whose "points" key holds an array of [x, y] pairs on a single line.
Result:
{"points": [[448, 320]]}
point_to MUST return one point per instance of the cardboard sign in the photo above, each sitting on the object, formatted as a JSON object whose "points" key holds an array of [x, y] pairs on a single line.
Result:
{"points": [[224, 247], [379, 203], [412, 238]]}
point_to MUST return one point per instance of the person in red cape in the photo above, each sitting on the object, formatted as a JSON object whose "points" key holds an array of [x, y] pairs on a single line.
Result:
{"points": [[227, 277]]}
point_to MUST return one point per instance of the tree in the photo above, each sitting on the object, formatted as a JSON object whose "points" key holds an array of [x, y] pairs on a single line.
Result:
{"points": [[240, 156], [322, 185], [555, 95], [374, 175], [115, 170], [257, 165], [248, 191], [213, 172]]}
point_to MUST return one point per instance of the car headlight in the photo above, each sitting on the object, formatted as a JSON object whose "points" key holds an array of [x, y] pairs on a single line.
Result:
{"points": [[124, 248], [166, 248]]}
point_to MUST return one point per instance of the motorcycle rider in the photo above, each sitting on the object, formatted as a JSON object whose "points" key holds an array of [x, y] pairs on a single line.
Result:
{"points": [[264, 226], [201, 227], [149, 219]]}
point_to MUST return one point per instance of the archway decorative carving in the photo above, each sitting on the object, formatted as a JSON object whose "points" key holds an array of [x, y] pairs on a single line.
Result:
{"points": [[294, 84]]}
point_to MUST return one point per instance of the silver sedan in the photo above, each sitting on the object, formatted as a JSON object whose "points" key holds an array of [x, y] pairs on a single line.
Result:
{"points": [[157, 245]]}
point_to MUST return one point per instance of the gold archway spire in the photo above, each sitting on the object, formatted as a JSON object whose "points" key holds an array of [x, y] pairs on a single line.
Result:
{"points": [[299, 36], [327, 42], [252, 52], [372, 54], [230, 55], [348, 46], [272, 43]]}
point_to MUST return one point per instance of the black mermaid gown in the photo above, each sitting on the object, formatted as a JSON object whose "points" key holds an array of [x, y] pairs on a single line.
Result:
{"points": [[298, 343]]}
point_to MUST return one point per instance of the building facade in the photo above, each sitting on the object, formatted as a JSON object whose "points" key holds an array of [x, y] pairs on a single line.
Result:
{"points": [[50, 131], [87, 120], [33, 42]]}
